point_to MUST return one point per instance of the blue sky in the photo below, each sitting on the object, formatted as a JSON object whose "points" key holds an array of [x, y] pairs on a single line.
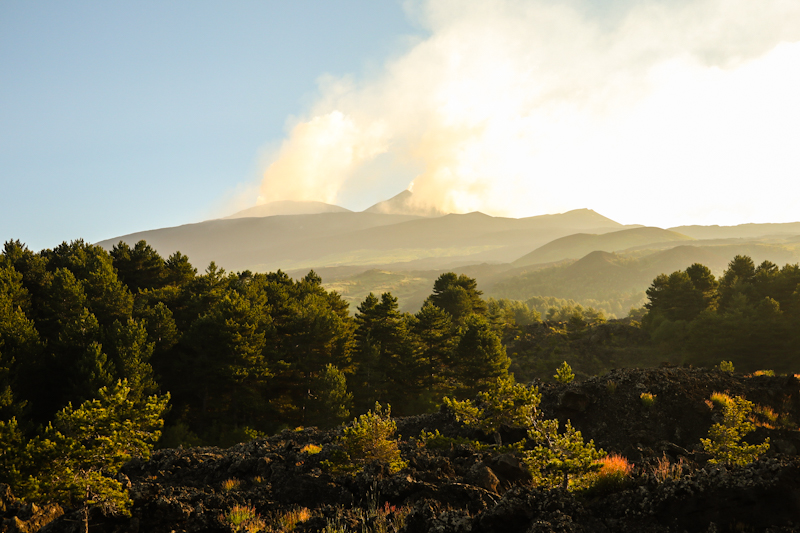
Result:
{"points": [[118, 117], [122, 116]]}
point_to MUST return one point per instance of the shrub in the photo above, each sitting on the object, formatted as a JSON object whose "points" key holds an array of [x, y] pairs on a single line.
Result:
{"points": [[770, 373], [507, 403], [437, 441], [648, 399], [564, 373], [561, 459], [369, 438], [611, 386], [556, 457], [723, 441], [726, 366]]}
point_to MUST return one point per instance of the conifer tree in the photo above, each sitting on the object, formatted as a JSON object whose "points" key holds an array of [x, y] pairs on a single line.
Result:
{"points": [[436, 339], [130, 352], [479, 358], [331, 402], [458, 295], [139, 267], [75, 459]]}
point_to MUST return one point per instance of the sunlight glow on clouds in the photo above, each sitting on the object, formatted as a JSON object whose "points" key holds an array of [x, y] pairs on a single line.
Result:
{"points": [[660, 113]]}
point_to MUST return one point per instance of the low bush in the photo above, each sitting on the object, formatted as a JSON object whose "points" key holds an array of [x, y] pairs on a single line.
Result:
{"points": [[369, 438], [724, 440], [648, 399], [244, 519], [564, 373]]}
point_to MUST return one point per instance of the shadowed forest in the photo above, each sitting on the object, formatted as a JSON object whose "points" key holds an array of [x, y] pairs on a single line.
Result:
{"points": [[243, 354]]}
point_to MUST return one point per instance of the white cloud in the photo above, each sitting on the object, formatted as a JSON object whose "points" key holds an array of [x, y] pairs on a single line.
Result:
{"points": [[652, 112]]}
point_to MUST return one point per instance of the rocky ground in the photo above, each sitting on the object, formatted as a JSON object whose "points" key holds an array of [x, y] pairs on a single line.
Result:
{"points": [[459, 489]]}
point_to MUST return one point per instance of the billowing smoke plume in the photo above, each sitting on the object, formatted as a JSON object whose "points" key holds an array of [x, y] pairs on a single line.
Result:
{"points": [[649, 111]]}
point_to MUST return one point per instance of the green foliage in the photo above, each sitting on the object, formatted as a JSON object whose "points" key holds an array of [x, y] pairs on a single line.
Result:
{"points": [[437, 441], [140, 267], [370, 438], [15, 461], [724, 439], [682, 295], [726, 366], [458, 295], [506, 403], [507, 314], [244, 519], [648, 399], [479, 358], [564, 373], [332, 402], [74, 461], [748, 318], [561, 457], [556, 456], [576, 315]]}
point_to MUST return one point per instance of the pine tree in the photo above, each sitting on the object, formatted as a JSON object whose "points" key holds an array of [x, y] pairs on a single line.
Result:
{"points": [[76, 458], [139, 267], [457, 295], [479, 359], [331, 402]]}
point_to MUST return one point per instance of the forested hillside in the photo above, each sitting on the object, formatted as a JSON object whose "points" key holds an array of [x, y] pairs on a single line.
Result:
{"points": [[242, 353], [97, 348]]}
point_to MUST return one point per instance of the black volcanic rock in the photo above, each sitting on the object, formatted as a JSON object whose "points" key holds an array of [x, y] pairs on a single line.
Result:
{"points": [[460, 490]]}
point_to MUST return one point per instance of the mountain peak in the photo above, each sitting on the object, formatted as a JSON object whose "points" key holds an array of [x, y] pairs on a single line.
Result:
{"points": [[289, 207], [403, 204]]}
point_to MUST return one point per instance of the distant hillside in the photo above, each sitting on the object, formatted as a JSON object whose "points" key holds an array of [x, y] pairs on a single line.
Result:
{"points": [[260, 244], [321, 240], [623, 277], [742, 231], [289, 207], [578, 245]]}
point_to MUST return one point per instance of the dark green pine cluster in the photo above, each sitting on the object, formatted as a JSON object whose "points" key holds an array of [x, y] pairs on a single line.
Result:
{"points": [[749, 316], [240, 353]]}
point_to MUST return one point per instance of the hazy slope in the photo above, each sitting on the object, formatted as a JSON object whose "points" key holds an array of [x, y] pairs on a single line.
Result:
{"points": [[289, 207], [606, 276], [245, 243], [742, 231], [578, 245], [336, 239]]}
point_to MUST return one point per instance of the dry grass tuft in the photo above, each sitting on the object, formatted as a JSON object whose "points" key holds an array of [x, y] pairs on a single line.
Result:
{"points": [[311, 449], [665, 470], [231, 484], [244, 519]]}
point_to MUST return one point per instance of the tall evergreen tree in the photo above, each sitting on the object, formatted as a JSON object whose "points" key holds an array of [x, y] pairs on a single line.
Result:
{"points": [[458, 295], [479, 359], [139, 267]]}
